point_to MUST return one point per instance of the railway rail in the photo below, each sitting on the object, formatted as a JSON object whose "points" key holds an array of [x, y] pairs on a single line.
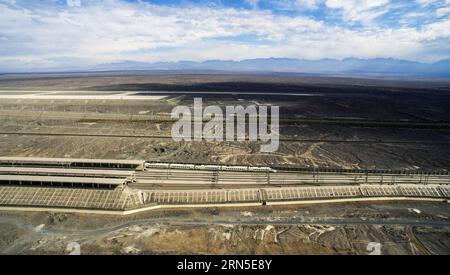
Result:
{"points": [[187, 179], [78, 188], [274, 195]]}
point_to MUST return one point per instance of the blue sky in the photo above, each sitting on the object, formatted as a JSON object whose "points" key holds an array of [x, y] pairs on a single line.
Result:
{"points": [[70, 33]]}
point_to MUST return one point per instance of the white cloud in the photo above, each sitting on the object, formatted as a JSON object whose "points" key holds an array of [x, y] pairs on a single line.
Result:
{"points": [[253, 3], [443, 11], [360, 10], [427, 2], [114, 30], [295, 4], [73, 3], [440, 3], [309, 4]]}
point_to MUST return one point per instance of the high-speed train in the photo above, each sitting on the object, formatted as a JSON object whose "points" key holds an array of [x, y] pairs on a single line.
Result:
{"points": [[158, 165]]}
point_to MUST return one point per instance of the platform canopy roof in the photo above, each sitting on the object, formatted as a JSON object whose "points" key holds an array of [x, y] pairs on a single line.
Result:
{"points": [[69, 160], [62, 171], [58, 180]]}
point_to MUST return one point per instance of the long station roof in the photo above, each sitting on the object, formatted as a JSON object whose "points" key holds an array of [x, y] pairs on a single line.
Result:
{"points": [[69, 160], [76, 180], [62, 171]]}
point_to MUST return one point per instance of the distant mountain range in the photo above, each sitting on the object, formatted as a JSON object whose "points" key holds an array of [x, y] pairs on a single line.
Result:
{"points": [[348, 66]]}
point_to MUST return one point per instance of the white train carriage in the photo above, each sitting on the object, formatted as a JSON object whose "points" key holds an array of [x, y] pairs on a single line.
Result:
{"points": [[262, 169], [208, 167], [234, 168], [157, 165], [182, 166]]}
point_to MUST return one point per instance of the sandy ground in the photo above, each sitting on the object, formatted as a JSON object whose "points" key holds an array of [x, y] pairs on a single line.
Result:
{"points": [[429, 148], [400, 228], [326, 98]]}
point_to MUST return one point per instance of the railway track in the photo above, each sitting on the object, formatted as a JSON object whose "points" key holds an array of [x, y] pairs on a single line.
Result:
{"points": [[186, 179], [139, 188]]}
